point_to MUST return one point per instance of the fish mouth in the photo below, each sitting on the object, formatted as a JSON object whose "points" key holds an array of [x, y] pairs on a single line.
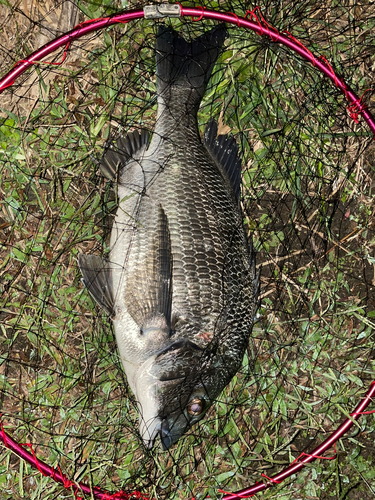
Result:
{"points": [[165, 435], [157, 427]]}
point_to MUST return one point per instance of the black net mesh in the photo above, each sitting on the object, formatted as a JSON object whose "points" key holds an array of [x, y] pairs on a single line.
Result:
{"points": [[307, 199]]}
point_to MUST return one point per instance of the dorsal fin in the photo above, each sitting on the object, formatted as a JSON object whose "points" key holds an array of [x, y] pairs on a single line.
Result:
{"points": [[127, 147], [149, 287], [224, 150], [96, 278]]}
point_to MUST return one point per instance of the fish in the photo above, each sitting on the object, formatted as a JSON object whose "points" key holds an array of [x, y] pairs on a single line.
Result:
{"points": [[180, 281]]}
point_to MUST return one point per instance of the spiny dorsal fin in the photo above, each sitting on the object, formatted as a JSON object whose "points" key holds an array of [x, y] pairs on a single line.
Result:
{"points": [[127, 147], [224, 150], [149, 287], [96, 278]]}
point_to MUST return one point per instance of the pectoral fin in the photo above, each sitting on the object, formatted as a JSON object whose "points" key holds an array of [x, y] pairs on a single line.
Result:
{"points": [[163, 267], [96, 278], [149, 288]]}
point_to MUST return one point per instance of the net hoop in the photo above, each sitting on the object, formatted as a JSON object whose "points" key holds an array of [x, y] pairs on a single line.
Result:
{"points": [[260, 26], [293, 468], [356, 107]]}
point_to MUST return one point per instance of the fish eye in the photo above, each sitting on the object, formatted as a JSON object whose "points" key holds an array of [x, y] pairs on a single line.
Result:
{"points": [[195, 407]]}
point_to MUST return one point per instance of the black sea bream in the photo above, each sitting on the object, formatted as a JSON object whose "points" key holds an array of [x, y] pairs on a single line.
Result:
{"points": [[180, 281]]}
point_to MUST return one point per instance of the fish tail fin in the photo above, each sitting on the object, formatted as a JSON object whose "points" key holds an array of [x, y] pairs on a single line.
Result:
{"points": [[182, 65]]}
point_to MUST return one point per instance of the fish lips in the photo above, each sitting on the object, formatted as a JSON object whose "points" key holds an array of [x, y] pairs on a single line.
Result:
{"points": [[169, 429], [153, 429]]}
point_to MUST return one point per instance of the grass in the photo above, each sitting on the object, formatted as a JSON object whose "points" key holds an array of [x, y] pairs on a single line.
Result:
{"points": [[307, 199]]}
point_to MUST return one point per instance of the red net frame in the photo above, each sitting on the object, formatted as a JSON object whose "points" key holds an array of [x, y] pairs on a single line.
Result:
{"points": [[356, 107]]}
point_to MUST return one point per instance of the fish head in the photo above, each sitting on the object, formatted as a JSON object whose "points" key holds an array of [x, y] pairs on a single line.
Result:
{"points": [[174, 392]]}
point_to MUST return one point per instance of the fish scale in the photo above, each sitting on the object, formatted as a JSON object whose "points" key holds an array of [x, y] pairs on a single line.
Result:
{"points": [[192, 244], [195, 224], [179, 281]]}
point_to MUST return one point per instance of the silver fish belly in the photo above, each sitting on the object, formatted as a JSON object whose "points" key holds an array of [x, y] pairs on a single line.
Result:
{"points": [[180, 281]]}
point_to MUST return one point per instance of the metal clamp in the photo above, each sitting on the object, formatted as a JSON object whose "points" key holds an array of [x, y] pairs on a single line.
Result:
{"points": [[161, 10]]}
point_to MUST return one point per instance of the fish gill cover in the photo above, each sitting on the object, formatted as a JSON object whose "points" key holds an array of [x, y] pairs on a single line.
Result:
{"points": [[306, 196]]}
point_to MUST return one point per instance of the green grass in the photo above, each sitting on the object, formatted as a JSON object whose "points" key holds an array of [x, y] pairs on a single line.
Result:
{"points": [[307, 199]]}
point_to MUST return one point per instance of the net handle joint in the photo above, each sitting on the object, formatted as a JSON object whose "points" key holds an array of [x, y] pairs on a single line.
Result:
{"points": [[162, 10]]}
